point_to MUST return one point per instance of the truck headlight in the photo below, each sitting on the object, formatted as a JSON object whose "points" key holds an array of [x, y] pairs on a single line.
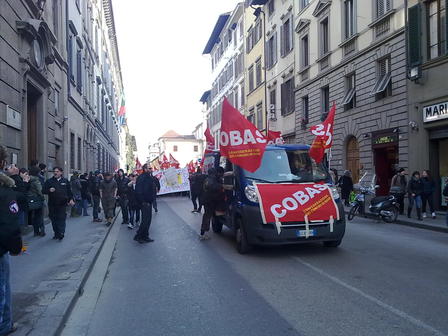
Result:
{"points": [[251, 193], [335, 192]]}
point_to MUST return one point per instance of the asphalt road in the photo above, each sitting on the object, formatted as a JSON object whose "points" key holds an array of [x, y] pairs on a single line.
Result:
{"points": [[384, 279]]}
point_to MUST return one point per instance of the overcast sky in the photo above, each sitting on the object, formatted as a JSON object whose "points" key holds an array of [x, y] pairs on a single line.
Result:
{"points": [[164, 71]]}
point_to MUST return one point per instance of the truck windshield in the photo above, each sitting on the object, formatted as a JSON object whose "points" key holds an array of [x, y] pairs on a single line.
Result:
{"points": [[282, 165]]}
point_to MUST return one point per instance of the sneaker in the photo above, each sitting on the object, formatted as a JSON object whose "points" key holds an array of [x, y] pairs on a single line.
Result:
{"points": [[433, 215], [130, 226], [424, 215], [205, 236]]}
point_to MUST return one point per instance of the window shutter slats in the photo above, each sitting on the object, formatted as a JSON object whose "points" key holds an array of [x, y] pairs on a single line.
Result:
{"points": [[414, 35]]}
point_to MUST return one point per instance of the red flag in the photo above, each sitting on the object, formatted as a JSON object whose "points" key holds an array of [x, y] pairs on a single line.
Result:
{"points": [[165, 163], [240, 141], [324, 136], [138, 165], [122, 110], [173, 162], [209, 140], [275, 138]]}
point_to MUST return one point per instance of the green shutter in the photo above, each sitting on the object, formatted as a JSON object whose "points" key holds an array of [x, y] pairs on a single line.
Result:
{"points": [[414, 35]]}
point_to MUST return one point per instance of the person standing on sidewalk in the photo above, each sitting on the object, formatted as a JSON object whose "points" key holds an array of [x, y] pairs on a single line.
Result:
{"points": [[75, 184], [84, 194], [398, 187], [94, 188], [108, 193], [36, 202], [145, 191], [59, 196], [415, 190], [10, 243], [122, 193], [346, 185], [134, 206], [429, 187], [22, 186]]}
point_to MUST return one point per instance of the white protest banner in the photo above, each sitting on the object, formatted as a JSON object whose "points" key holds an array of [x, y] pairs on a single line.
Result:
{"points": [[173, 180]]}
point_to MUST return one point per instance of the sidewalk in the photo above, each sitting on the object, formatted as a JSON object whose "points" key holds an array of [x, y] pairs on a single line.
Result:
{"points": [[48, 278], [438, 224]]}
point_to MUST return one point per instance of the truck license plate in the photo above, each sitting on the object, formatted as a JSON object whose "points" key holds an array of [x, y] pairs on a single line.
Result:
{"points": [[302, 233]]}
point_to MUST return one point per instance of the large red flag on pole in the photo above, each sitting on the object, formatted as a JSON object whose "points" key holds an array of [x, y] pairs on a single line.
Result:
{"points": [[209, 141], [275, 138], [173, 162], [324, 136], [240, 141]]}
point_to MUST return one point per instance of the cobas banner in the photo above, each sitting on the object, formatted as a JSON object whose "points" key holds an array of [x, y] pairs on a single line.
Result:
{"points": [[292, 202]]}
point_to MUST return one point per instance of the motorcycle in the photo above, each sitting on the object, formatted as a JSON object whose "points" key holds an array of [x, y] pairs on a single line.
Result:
{"points": [[384, 207]]}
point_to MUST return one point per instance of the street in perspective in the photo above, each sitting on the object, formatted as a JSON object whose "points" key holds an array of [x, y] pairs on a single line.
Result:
{"points": [[257, 167]]}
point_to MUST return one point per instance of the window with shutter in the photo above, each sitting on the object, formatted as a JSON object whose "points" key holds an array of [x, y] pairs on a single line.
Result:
{"points": [[414, 35], [258, 71], [251, 78], [437, 28], [260, 116]]}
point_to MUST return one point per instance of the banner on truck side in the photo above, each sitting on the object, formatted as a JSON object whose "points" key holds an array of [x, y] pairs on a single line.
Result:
{"points": [[173, 180], [296, 202]]}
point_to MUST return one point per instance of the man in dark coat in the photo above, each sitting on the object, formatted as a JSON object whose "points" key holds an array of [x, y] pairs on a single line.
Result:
{"points": [[156, 190], [10, 243], [122, 193], [94, 188], [145, 190], [22, 186], [59, 196], [346, 184], [196, 188]]}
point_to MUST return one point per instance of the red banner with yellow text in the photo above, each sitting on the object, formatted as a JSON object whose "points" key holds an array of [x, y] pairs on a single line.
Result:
{"points": [[240, 141], [292, 202]]}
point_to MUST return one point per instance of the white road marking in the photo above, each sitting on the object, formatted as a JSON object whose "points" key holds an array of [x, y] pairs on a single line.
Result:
{"points": [[380, 303]]}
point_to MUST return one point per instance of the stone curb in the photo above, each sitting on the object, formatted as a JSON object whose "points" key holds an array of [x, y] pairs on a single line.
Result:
{"points": [[405, 222], [60, 305]]}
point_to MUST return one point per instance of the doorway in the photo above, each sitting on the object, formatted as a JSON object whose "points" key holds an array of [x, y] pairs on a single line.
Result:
{"points": [[386, 161], [353, 158], [33, 99]]}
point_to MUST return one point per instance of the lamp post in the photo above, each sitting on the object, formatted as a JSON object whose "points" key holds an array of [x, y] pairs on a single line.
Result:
{"points": [[257, 12]]}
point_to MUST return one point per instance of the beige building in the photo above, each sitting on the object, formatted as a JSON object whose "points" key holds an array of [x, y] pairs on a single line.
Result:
{"points": [[280, 65], [255, 85]]}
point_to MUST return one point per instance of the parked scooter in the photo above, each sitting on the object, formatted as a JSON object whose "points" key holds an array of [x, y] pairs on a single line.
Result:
{"points": [[385, 207]]}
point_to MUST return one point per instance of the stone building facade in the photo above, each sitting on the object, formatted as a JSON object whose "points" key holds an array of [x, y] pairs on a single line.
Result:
{"points": [[60, 82], [354, 55], [428, 90]]}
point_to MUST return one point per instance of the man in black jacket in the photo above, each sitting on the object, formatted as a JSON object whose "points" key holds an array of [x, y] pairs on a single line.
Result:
{"points": [[197, 188], [156, 190], [10, 243], [59, 196], [213, 199], [122, 193], [145, 189], [94, 188]]}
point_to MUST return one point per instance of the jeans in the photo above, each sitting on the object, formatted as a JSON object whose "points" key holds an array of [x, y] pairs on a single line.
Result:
{"points": [[96, 205], [428, 198], [134, 215], [154, 204], [196, 200], [36, 219], [207, 217], [417, 199], [5, 296], [85, 206], [58, 215], [143, 230], [124, 209]]}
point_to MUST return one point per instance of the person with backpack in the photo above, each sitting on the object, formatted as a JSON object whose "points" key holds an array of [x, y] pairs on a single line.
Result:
{"points": [[75, 185], [108, 193], [196, 187], [122, 194], [429, 187], [398, 187], [213, 194], [10, 243], [36, 202], [415, 190]]}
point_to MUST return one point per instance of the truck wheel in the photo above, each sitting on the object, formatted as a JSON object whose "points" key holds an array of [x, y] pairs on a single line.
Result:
{"points": [[242, 245], [352, 212], [333, 243], [216, 224]]}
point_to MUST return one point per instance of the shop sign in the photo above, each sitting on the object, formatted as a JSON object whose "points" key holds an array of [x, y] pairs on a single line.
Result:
{"points": [[435, 112], [384, 139]]}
